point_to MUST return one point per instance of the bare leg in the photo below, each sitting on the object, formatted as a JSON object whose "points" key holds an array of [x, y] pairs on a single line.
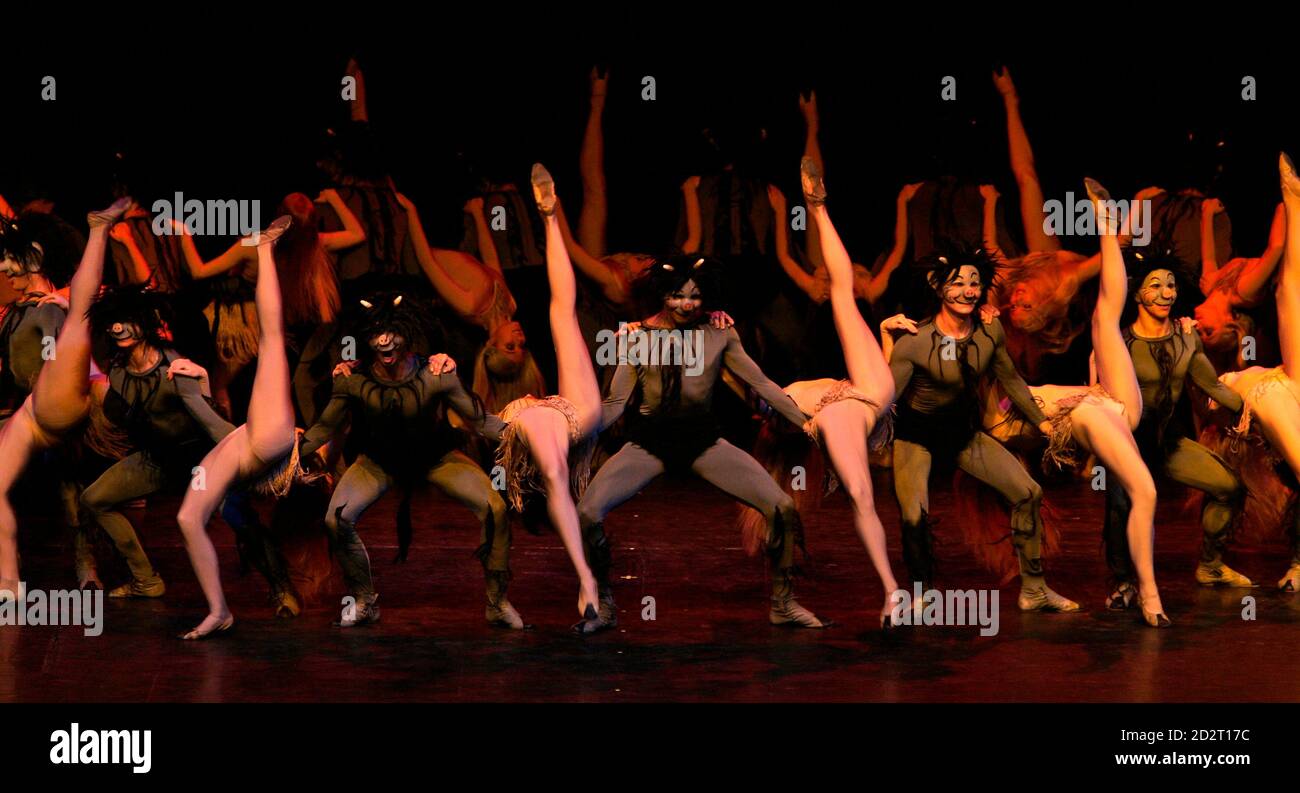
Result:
{"points": [[246, 452], [548, 435], [1114, 364], [1022, 167], [1288, 285], [20, 438], [592, 219]]}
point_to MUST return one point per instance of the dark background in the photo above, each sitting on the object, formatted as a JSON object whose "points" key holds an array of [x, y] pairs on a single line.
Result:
{"points": [[236, 116]]}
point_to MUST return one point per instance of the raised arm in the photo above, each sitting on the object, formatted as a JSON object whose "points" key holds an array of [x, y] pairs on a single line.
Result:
{"points": [[1023, 168], [487, 247], [353, 232], [236, 255], [741, 365], [880, 281], [1258, 273], [989, 228], [612, 286], [6, 210], [140, 271], [802, 279], [460, 279]]}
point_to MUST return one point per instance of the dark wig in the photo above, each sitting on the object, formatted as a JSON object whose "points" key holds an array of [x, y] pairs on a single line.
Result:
{"points": [[407, 314], [946, 261], [137, 304], [669, 274], [60, 245]]}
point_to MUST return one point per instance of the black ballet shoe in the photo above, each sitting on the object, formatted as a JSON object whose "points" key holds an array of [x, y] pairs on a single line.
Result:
{"points": [[196, 635], [590, 622], [810, 176], [1122, 598], [272, 233], [544, 190], [1290, 182]]}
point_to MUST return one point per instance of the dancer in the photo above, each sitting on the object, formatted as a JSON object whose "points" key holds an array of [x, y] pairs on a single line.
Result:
{"points": [[248, 452], [61, 395], [939, 367], [1165, 358], [1232, 291], [1100, 419], [671, 426], [547, 446], [844, 413], [1272, 396], [398, 407]]}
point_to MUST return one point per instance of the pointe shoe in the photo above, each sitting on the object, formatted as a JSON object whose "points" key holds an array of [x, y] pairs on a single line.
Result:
{"points": [[787, 611], [220, 627], [887, 620], [152, 587], [1042, 598], [358, 613], [286, 605], [504, 615], [110, 215], [1291, 581], [1100, 196], [810, 176], [1122, 598], [272, 232], [544, 190], [1221, 575], [1286, 168], [1156, 619]]}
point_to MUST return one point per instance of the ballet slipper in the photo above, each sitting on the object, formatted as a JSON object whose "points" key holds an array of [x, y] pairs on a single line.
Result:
{"points": [[544, 190], [210, 626]]}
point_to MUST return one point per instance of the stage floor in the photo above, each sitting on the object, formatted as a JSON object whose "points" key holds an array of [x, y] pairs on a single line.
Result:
{"points": [[710, 640]]}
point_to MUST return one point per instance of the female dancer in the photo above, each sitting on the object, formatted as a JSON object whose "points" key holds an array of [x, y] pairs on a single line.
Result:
{"points": [[307, 281], [845, 412], [1272, 396], [60, 401], [1233, 290], [938, 372], [545, 449], [505, 369], [1101, 419], [398, 408]]}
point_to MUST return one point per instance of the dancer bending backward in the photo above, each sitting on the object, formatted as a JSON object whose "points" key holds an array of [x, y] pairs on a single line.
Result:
{"points": [[844, 412], [671, 426], [939, 368], [1272, 396], [59, 403]]}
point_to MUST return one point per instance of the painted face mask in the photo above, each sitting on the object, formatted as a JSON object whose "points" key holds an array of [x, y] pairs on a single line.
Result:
{"points": [[683, 304], [125, 333], [963, 291], [1159, 292], [388, 346]]}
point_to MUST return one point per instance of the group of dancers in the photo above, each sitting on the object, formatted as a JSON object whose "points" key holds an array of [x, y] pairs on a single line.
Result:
{"points": [[353, 392]]}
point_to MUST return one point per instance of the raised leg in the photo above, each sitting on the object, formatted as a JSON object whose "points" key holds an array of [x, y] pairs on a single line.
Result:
{"points": [[1114, 363], [270, 410], [1022, 167], [1288, 284]]}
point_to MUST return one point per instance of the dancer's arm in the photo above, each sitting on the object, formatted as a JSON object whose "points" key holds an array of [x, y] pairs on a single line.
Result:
{"points": [[1202, 373], [990, 225], [353, 232], [450, 387], [6, 210], [191, 391], [487, 248], [1209, 256], [358, 109], [620, 391], [880, 281], [141, 272], [1257, 273], [237, 254], [466, 295], [1010, 380], [741, 365], [331, 418], [611, 284], [801, 277]]}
